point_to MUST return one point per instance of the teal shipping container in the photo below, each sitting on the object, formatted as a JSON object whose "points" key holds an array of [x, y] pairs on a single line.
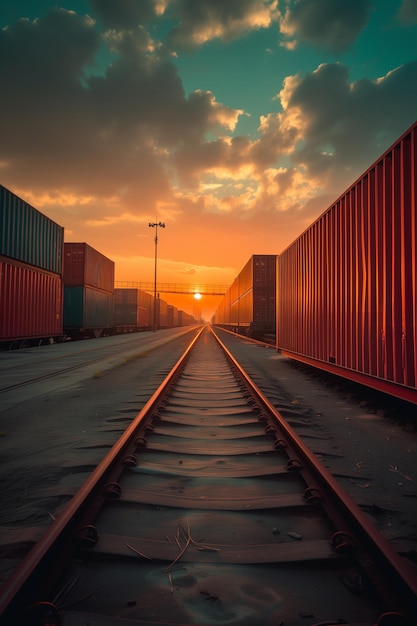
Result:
{"points": [[86, 308], [28, 236]]}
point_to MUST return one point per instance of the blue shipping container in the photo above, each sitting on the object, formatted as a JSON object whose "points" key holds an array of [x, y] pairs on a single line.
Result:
{"points": [[28, 236], [87, 308]]}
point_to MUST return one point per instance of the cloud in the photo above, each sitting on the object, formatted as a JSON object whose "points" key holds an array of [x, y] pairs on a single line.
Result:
{"points": [[188, 271], [123, 14], [408, 12], [328, 132], [225, 20], [340, 121], [329, 25], [65, 127]]}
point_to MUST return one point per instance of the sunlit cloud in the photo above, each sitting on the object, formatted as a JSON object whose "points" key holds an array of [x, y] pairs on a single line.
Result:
{"points": [[59, 198], [205, 21], [110, 220], [218, 113]]}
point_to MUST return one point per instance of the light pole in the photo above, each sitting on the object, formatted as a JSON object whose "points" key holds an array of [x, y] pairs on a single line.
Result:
{"points": [[155, 225]]}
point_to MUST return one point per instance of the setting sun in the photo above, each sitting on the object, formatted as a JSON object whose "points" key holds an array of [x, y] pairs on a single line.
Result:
{"points": [[197, 296]]}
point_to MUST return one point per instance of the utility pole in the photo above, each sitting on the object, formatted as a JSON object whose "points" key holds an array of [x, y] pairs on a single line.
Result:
{"points": [[155, 225]]}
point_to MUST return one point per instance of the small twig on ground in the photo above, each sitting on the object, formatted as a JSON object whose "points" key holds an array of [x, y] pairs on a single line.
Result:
{"points": [[138, 553], [185, 535]]}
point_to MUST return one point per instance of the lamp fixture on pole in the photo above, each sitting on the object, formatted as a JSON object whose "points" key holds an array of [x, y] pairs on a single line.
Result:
{"points": [[155, 225]]}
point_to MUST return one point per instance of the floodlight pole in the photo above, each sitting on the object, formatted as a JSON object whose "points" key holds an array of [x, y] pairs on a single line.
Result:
{"points": [[155, 225]]}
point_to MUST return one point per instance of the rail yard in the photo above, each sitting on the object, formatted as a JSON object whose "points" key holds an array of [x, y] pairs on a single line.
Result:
{"points": [[196, 503], [194, 475]]}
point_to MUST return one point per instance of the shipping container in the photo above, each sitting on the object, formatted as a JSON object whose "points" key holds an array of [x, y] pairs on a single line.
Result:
{"points": [[86, 267], [248, 307], [133, 309], [88, 311], [172, 316], [185, 319], [347, 290], [28, 236], [30, 305], [161, 313]]}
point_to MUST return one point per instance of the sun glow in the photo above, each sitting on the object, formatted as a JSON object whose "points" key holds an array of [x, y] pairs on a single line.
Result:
{"points": [[197, 296]]}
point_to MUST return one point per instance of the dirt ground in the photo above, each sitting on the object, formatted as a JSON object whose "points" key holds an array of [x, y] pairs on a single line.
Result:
{"points": [[371, 443]]}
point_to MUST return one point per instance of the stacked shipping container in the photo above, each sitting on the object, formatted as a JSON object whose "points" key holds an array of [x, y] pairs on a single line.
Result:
{"points": [[185, 319], [88, 290], [249, 304], [172, 316], [132, 309], [31, 247]]}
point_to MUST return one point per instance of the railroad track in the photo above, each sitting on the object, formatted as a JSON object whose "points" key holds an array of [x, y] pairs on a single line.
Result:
{"points": [[210, 510]]}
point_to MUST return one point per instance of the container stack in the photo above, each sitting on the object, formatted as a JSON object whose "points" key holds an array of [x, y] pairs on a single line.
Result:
{"points": [[31, 248], [249, 305], [172, 316], [185, 319], [88, 291], [161, 313], [132, 309]]}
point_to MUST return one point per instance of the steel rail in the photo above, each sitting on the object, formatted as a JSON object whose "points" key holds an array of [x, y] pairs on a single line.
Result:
{"points": [[43, 554], [403, 579]]}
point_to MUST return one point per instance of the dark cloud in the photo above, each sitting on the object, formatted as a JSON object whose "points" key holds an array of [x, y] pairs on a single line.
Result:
{"points": [[44, 103], [58, 45], [123, 14], [330, 25], [408, 11], [205, 20], [73, 126]]}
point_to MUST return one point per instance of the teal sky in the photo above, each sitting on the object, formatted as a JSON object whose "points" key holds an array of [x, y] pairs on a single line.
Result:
{"points": [[236, 122]]}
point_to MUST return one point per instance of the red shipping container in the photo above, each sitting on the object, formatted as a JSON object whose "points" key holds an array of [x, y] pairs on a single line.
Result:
{"points": [[250, 301], [161, 313], [172, 316], [30, 303], [185, 319], [347, 287], [86, 267]]}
